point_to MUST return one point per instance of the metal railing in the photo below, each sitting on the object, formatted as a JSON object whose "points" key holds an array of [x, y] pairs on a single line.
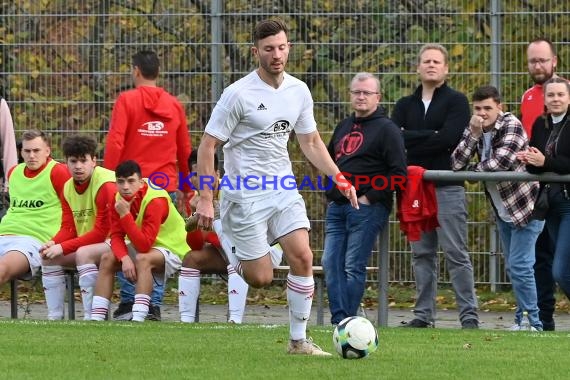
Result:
{"points": [[442, 175]]}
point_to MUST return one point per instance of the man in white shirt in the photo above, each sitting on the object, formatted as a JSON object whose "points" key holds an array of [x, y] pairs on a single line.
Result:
{"points": [[255, 116]]}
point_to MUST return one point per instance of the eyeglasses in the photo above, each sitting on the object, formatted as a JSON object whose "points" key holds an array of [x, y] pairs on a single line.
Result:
{"points": [[540, 61], [365, 93]]}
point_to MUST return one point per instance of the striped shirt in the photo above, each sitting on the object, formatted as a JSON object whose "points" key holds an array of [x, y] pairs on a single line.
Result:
{"points": [[507, 138]]}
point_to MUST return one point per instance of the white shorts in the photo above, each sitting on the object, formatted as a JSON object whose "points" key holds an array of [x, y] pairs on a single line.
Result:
{"points": [[253, 227], [172, 262], [28, 246]]}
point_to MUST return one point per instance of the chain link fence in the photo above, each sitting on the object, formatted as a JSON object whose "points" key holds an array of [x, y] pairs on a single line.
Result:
{"points": [[62, 64]]}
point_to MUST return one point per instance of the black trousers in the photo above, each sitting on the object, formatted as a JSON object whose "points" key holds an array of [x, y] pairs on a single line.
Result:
{"points": [[545, 285]]}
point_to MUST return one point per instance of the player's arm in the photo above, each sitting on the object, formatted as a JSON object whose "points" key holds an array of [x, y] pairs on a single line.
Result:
{"points": [[59, 176], [204, 207], [116, 137], [119, 247], [67, 230], [100, 231], [316, 152], [143, 238]]}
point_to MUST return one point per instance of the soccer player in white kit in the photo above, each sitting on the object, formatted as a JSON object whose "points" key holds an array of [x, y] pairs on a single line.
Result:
{"points": [[254, 117]]}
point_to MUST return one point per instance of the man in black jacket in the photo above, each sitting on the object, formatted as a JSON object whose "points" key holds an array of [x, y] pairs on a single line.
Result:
{"points": [[368, 148], [432, 120]]}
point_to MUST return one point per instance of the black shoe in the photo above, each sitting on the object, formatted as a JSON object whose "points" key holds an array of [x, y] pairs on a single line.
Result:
{"points": [[124, 312], [153, 314], [548, 325], [417, 323], [470, 324]]}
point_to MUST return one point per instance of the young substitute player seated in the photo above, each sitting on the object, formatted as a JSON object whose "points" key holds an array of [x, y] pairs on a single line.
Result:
{"points": [[155, 230], [206, 257], [34, 214], [87, 198]]}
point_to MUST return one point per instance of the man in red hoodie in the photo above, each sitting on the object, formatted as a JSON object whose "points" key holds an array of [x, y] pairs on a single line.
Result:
{"points": [[148, 125]]}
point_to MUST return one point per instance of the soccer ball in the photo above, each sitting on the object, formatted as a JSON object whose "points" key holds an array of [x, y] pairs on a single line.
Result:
{"points": [[355, 338]]}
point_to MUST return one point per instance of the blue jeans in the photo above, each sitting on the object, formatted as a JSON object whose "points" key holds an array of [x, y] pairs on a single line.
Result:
{"points": [[451, 235], [349, 239], [518, 250], [127, 292], [558, 225]]}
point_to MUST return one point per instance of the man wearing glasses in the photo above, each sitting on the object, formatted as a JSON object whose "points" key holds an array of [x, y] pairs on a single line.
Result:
{"points": [[368, 148], [542, 61], [432, 120]]}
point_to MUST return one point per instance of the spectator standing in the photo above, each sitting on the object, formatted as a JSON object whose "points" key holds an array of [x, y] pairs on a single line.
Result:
{"points": [[496, 137], [148, 125], [432, 120], [369, 145], [542, 62], [550, 152]]}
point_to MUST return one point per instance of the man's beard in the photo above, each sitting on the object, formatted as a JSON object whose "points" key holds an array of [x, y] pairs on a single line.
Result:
{"points": [[541, 78]]}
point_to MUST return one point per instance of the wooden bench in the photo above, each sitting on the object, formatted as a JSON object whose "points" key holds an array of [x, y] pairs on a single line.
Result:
{"points": [[319, 277], [70, 285]]}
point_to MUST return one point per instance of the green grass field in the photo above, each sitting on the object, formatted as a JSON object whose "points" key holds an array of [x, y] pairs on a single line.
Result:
{"points": [[88, 350]]}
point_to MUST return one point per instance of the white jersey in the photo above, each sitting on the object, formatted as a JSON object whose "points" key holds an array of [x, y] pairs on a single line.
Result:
{"points": [[256, 120]]}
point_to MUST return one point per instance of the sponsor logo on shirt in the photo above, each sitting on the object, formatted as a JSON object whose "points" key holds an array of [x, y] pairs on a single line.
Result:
{"points": [[27, 203], [261, 107], [280, 128], [153, 128]]}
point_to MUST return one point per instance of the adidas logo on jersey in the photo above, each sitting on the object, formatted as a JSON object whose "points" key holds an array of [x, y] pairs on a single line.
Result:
{"points": [[261, 107]]}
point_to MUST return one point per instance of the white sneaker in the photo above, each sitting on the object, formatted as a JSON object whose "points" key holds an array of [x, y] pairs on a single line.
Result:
{"points": [[305, 347], [515, 327]]}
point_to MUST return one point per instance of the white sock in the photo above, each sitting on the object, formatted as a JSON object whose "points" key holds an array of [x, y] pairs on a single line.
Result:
{"points": [[100, 308], [300, 298], [188, 293], [227, 246], [237, 295], [53, 279], [87, 279], [140, 307]]}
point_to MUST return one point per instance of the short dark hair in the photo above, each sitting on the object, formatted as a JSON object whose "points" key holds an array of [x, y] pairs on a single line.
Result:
{"points": [[546, 40], [147, 62], [79, 146], [269, 27], [486, 92], [128, 168], [194, 159], [556, 80], [31, 134]]}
